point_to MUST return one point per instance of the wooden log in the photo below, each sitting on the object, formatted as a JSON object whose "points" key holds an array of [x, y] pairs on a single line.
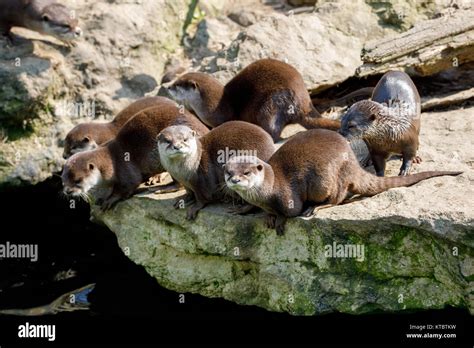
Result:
{"points": [[447, 100], [428, 48]]}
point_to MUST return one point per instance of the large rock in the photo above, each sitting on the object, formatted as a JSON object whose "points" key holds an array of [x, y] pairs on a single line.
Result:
{"points": [[418, 242], [324, 46], [48, 87]]}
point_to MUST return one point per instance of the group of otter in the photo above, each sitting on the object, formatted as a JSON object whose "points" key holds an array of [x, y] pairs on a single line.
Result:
{"points": [[313, 168]]}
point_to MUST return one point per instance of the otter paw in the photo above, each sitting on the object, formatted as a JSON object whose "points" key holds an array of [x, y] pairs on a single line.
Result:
{"points": [[404, 172], [309, 212], [280, 225], [280, 229], [106, 205], [270, 221], [417, 160], [191, 214]]}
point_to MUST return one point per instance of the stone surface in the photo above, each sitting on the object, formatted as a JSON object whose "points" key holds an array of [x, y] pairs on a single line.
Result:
{"points": [[418, 241], [324, 45], [120, 58]]}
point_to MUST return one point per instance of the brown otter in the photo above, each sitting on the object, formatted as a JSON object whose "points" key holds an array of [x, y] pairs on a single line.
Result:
{"points": [[113, 171], [389, 123], [197, 163], [312, 168], [44, 16], [89, 135], [268, 93]]}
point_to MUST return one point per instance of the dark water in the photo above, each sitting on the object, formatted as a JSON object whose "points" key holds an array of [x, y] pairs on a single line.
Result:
{"points": [[121, 302]]}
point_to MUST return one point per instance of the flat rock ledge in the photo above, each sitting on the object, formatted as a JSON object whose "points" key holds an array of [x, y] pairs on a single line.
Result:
{"points": [[418, 242], [414, 257]]}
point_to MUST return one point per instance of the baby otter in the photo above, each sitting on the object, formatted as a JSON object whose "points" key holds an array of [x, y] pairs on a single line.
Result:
{"points": [[113, 171], [268, 93], [89, 135], [312, 168], [197, 163], [44, 16], [389, 123]]}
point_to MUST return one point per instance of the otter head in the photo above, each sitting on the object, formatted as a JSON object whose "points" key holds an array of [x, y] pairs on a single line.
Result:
{"points": [[177, 142], [53, 19], [80, 174], [186, 89], [359, 119], [244, 173], [79, 139]]}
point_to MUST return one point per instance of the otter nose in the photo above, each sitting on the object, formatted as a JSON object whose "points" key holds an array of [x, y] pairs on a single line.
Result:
{"points": [[77, 32], [65, 156], [235, 180], [177, 147]]}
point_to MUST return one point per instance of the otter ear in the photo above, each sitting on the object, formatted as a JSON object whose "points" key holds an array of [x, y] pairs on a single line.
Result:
{"points": [[224, 165], [372, 117], [86, 140], [259, 167], [45, 18], [91, 166], [193, 132]]}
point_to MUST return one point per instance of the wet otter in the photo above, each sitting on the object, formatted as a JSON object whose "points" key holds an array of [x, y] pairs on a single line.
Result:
{"points": [[389, 123], [44, 16], [268, 93], [312, 168], [113, 171], [89, 135], [197, 162]]}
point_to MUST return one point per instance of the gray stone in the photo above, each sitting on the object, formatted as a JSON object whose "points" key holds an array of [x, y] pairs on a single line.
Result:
{"points": [[120, 58]]}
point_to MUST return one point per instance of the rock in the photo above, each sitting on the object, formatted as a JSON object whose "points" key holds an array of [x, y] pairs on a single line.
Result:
{"points": [[331, 39], [417, 242], [243, 17], [211, 36], [403, 14], [45, 84], [302, 2]]}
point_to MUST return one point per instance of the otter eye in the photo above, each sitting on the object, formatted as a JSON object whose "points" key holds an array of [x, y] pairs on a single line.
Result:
{"points": [[45, 18], [247, 172], [186, 139], [77, 182], [351, 126]]}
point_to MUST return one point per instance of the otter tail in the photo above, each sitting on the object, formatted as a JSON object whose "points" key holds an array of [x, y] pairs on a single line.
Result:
{"points": [[369, 184], [361, 93], [315, 120]]}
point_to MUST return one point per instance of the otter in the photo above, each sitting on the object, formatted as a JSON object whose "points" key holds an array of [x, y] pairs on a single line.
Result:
{"points": [[389, 123], [112, 172], [268, 93], [312, 168], [89, 135], [44, 16], [197, 163]]}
